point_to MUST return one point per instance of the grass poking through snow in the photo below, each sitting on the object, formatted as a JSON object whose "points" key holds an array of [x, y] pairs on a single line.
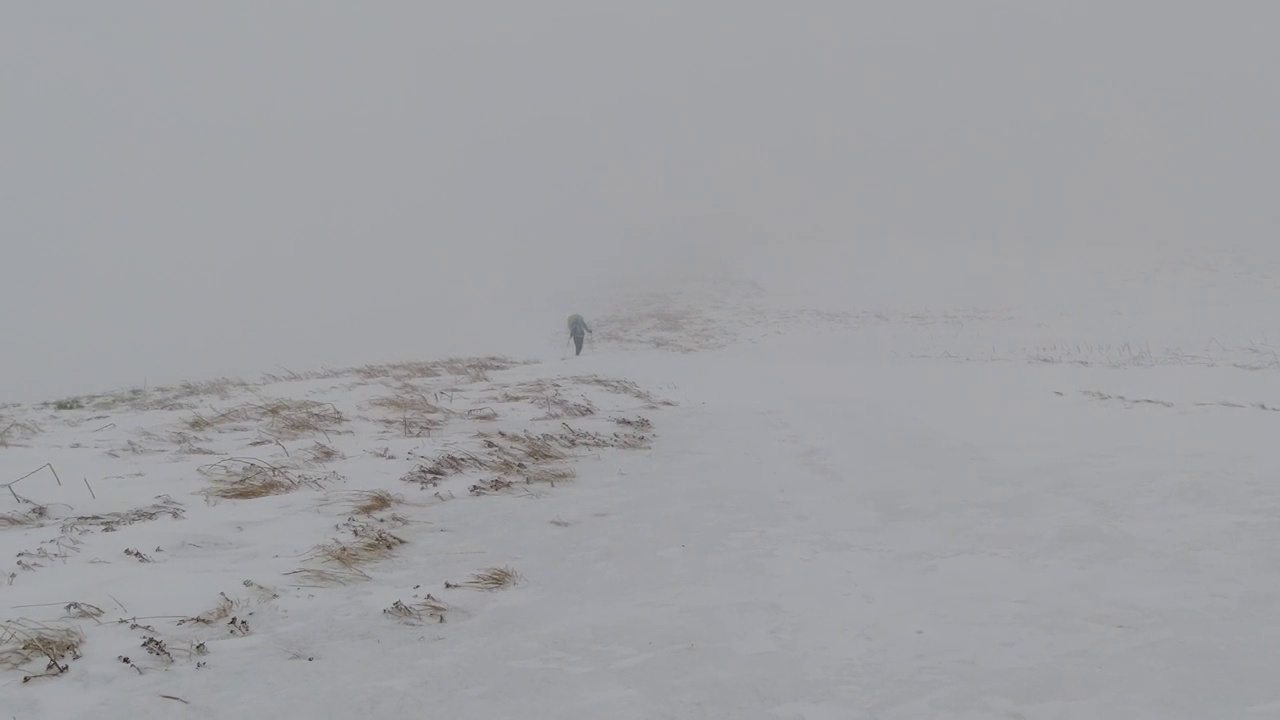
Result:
{"points": [[24, 644], [341, 560], [280, 418], [427, 607], [251, 478], [494, 578], [368, 502]]}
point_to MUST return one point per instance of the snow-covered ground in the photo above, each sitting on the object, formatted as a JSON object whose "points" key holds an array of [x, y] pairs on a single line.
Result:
{"points": [[736, 504]]}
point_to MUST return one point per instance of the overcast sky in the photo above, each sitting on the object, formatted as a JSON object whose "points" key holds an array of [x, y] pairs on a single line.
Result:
{"points": [[190, 189]]}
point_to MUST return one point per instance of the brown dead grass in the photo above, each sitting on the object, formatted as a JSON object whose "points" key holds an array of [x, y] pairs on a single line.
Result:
{"points": [[555, 398], [189, 443], [451, 463], [48, 552], [640, 424], [225, 609], [523, 458], [182, 396], [573, 439], [418, 611], [251, 478], [35, 517], [476, 369], [24, 643], [494, 578], [408, 400], [559, 406], [341, 561], [368, 502], [322, 454], [110, 522], [623, 387], [326, 577], [531, 458], [550, 396], [230, 612], [412, 410], [279, 418]]}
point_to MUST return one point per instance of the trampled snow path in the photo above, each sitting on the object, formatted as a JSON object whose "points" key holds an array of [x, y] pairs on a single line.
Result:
{"points": [[819, 531]]}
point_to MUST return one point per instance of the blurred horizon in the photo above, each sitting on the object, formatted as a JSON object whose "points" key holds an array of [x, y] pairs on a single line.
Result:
{"points": [[223, 189]]}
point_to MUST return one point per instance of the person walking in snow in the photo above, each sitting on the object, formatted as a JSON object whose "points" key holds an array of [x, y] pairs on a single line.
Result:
{"points": [[577, 330]]}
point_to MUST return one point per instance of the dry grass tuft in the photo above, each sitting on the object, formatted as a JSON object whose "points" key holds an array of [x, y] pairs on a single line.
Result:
{"points": [[250, 478], [110, 522], [527, 458], [623, 387], [443, 466], [558, 406], [225, 608], [264, 592], [82, 611], [640, 424], [341, 560], [173, 397], [370, 502], [14, 431], [348, 555], [483, 414], [531, 458], [427, 607], [35, 517], [322, 454], [181, 396], [24, 642], [54, 550], [548, 395], [412, 411], [494, 578], [326, 577], [188, 443], [280, 418], [476, 368], [408, 400], [573, 438], [551, 395]]}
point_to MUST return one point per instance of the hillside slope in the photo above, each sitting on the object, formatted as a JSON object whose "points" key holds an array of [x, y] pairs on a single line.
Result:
{"points": [[735, 510]]}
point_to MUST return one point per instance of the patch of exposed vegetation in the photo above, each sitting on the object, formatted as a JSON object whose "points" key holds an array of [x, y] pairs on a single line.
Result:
{"points": [[419, 610], [341, 560], [494, 578], [279, 418], [251, 478], [111, 522], [524, 458], [13, 432], [26, 645], [623, 387], [475, 369]]}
